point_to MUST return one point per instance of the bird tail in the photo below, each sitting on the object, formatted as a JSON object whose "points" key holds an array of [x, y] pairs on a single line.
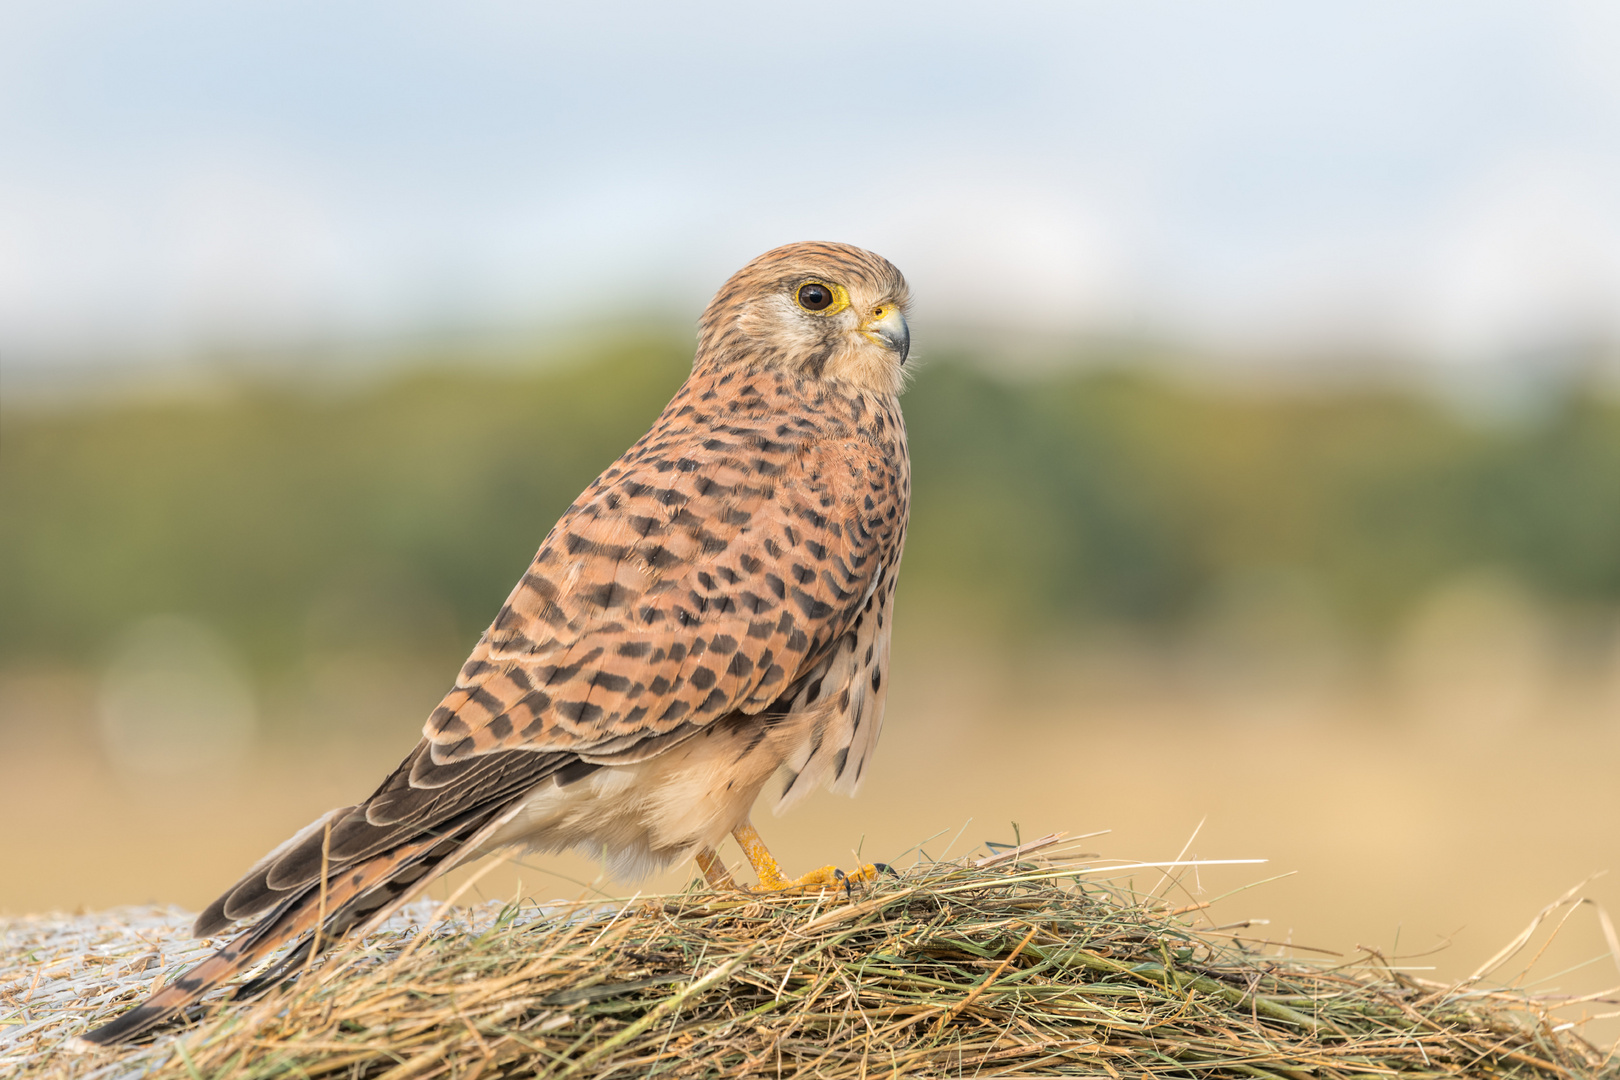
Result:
{"points": [[366, 891]]}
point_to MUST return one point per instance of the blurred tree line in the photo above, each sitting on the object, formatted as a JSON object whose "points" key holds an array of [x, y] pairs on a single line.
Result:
{"points": [[393, 517]]}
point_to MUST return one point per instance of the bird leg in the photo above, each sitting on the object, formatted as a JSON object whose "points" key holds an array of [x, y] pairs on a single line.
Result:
{"points": [[770, 873], [714, 870]]}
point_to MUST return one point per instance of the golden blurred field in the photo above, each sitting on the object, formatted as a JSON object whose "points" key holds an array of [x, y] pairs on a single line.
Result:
{"points": [[1401, 830]]}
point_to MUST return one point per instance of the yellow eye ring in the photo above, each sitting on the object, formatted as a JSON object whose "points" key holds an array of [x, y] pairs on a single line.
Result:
{"points": [[821, 297]]}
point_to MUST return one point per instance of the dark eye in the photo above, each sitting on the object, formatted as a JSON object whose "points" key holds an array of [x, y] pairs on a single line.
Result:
{"points": [[815, 296]]}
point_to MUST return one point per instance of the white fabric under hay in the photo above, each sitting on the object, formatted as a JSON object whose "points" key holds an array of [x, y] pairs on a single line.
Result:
{"points": [[61, 975]]}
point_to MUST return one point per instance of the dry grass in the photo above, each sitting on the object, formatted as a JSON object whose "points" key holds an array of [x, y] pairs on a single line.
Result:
{"points": [[1016, 964]]}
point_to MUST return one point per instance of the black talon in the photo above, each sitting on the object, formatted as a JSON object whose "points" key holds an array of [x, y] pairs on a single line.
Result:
{"points": [[885, 868]]}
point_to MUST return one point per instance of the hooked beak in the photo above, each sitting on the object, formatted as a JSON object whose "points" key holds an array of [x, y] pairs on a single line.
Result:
{"points": [[887, 327]]}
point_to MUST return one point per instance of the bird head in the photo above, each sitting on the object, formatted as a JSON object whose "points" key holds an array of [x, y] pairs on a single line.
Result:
{"points": [[818, 310]]}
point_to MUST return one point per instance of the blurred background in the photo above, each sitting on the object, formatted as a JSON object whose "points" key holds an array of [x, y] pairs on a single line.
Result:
{"points": [[1266, 422]]}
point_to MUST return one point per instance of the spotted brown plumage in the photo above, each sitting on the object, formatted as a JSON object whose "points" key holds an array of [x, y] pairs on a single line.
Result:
{"points": [[704, 572], [714, 608]]}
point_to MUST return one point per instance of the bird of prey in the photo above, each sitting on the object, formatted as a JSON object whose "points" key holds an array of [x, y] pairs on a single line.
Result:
{"points": [[713, 610]]}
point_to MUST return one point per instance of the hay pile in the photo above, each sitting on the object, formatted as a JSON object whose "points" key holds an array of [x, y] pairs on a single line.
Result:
{"points": [[1008, 965]]}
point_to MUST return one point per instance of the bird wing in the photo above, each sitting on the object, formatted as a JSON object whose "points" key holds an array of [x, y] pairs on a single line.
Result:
{"points": [[418, 799], [696, 578]]}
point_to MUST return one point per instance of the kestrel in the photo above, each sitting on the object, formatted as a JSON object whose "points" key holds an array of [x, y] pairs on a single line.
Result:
{"points": [[714, 609]]}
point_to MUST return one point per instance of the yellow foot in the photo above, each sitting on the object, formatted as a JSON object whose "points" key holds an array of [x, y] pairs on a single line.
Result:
{"points": [[821, 879], [771, 878]]}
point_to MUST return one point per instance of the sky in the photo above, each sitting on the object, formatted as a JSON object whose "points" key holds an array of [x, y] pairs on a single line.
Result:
{"points": [[1433, 178]]}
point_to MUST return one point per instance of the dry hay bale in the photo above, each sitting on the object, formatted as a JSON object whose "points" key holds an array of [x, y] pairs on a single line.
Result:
{"points": [[951, 969]]}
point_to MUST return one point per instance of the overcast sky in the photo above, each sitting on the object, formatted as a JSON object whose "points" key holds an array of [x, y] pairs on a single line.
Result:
{"points": [[1442, 177]]}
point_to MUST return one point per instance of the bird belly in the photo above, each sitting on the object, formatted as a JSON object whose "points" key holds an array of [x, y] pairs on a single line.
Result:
{"points": [[645, 815]]}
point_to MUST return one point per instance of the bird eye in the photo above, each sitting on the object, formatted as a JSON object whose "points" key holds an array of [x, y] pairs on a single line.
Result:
{"points": [[815, 296]]}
